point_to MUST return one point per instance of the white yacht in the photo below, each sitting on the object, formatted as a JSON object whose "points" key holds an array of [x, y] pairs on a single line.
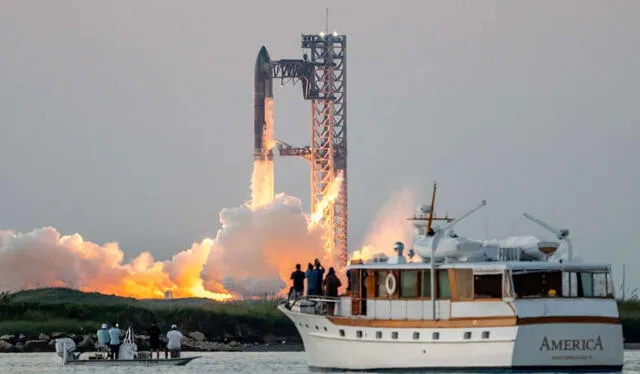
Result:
{"points": [[497, 305]]}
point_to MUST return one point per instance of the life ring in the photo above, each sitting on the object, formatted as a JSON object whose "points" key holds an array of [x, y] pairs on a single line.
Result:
{"points": [[390, 283]]}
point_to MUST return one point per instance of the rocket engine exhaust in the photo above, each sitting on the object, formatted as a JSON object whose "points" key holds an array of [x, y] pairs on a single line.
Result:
{"points": [[262, 180]]}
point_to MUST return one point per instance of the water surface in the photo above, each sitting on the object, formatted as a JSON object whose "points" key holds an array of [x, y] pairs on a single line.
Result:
{"points": [[211, 362]]}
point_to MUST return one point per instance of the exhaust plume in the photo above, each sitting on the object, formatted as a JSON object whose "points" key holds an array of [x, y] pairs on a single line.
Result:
{"points": [[389, 226]]}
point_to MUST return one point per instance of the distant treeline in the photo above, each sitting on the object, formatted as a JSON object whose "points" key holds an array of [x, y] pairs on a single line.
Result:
{"points": [[35, 312]]}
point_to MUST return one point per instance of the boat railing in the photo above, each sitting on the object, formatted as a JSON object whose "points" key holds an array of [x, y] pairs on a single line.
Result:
{"points": [[320, 305]]}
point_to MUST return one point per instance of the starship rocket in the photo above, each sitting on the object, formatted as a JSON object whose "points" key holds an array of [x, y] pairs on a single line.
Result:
{"points": [[262, 91]]}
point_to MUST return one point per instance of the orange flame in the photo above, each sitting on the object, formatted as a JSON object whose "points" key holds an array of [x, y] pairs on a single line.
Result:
{"points": [[333, 191]]}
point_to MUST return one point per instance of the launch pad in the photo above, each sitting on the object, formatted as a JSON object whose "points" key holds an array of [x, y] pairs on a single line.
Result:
{"points": [[323, 77]]}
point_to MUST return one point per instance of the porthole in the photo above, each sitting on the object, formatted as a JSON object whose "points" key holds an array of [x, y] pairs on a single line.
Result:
{"points": [[325, 328], [307, 326], [341, 332], [317, 328], [416, 335], [467, 335], [394, 335], [359, 334], [435, 336], [378, 334], [485, 335]]}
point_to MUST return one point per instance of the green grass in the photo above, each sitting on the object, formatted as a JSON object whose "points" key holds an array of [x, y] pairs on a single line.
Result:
{"points": [[64, 310]]}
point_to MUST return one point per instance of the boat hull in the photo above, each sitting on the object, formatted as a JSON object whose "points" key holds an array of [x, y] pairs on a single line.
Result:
{"points": [[161, 362], [532, 347]]}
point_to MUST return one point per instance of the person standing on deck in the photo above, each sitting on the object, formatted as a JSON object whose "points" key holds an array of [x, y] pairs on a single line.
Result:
{"points": [[114, 341], [103, 338], [154, 339], [331, 285], [174, 341], [312, 281], [319, 275], [298, 277]]}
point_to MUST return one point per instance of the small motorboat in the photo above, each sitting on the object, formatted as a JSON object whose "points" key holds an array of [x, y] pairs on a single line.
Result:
{"points": [[127, 356]]}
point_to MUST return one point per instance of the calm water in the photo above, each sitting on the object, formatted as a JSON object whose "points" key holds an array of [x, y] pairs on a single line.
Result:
{"points": [[217, 362]]}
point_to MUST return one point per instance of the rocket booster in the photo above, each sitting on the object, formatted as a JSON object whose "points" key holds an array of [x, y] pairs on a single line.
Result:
{"points": [[262, 92]]}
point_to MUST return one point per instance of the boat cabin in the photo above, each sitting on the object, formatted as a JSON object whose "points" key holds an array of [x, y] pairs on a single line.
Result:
{"points": [[383, 291]]}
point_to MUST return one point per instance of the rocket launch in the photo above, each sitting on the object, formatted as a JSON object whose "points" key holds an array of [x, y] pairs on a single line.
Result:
{"points": [[262, 180], [263, 96]]}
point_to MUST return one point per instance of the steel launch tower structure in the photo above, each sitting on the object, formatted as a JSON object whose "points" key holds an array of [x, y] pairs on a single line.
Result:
{"points": [[323, 76]]}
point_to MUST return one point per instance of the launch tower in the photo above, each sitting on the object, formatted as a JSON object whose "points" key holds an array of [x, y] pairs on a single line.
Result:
{"points": [[323, 74]]}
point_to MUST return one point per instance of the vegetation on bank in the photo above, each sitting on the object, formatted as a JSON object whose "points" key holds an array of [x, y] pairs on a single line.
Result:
{"points": [[74, 312], [64, 310]]}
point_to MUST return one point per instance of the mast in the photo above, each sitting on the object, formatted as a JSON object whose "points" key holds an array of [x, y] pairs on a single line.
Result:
{"points": [[433, 201], [433, 254]]}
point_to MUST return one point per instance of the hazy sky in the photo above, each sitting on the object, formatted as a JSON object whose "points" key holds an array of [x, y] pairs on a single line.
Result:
{"points": [[131, 121]]}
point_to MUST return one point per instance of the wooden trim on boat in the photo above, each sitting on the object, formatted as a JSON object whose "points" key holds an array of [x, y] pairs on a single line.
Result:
{"points": [[568, 319], [443, 323], [469, 322]]}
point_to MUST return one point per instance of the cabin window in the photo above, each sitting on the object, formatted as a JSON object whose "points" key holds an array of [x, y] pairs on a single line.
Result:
{"points": [[394, 335], [425, 289], [599, 284], [467, 335], [381, 280], [435, 336], [341, 332], [570, 284], [593, 285], [538, 284], [487, 286], [409, 284], [444, 289], [464, 281], [378, 334], [485, 335], [416, 336], [359, 334], [355, 283]]}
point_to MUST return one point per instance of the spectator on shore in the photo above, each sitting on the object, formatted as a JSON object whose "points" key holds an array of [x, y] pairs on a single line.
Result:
{"points": [[319, 270], [331, 285], [154, 339], [298, 277], [312, 281], [103, 338], [114, 341], [174, 341]]}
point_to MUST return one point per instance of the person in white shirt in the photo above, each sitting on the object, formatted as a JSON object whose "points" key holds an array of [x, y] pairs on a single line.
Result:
{"points": [[174, 341]]}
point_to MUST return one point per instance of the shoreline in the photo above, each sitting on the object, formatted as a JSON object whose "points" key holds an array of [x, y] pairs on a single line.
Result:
{"points": [[194, 342]]}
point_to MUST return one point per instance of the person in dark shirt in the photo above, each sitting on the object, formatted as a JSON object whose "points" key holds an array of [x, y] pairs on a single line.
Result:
{"points": [[298, 277], [331, 285], [154, 339]]}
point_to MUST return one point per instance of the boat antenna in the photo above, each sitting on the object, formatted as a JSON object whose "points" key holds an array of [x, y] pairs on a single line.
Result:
{"points": [[561, 234], [431, 210]]}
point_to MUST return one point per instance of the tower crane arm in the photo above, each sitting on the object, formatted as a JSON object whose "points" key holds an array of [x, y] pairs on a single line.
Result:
{"points": [[561, 234], [455, 222]]}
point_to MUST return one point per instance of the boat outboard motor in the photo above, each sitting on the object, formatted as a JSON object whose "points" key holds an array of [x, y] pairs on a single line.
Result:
{"points": [[65, 345]]}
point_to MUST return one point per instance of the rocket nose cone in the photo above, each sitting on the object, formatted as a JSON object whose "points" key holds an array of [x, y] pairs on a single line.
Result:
{"points": [[263, 55]]}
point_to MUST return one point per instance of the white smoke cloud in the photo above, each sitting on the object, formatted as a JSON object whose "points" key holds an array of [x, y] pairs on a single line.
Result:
{"points": [[256, 249], [253, 253]]}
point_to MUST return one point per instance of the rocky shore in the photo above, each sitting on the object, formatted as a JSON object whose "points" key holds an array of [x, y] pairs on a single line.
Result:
{"points": [[194, 341]]}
